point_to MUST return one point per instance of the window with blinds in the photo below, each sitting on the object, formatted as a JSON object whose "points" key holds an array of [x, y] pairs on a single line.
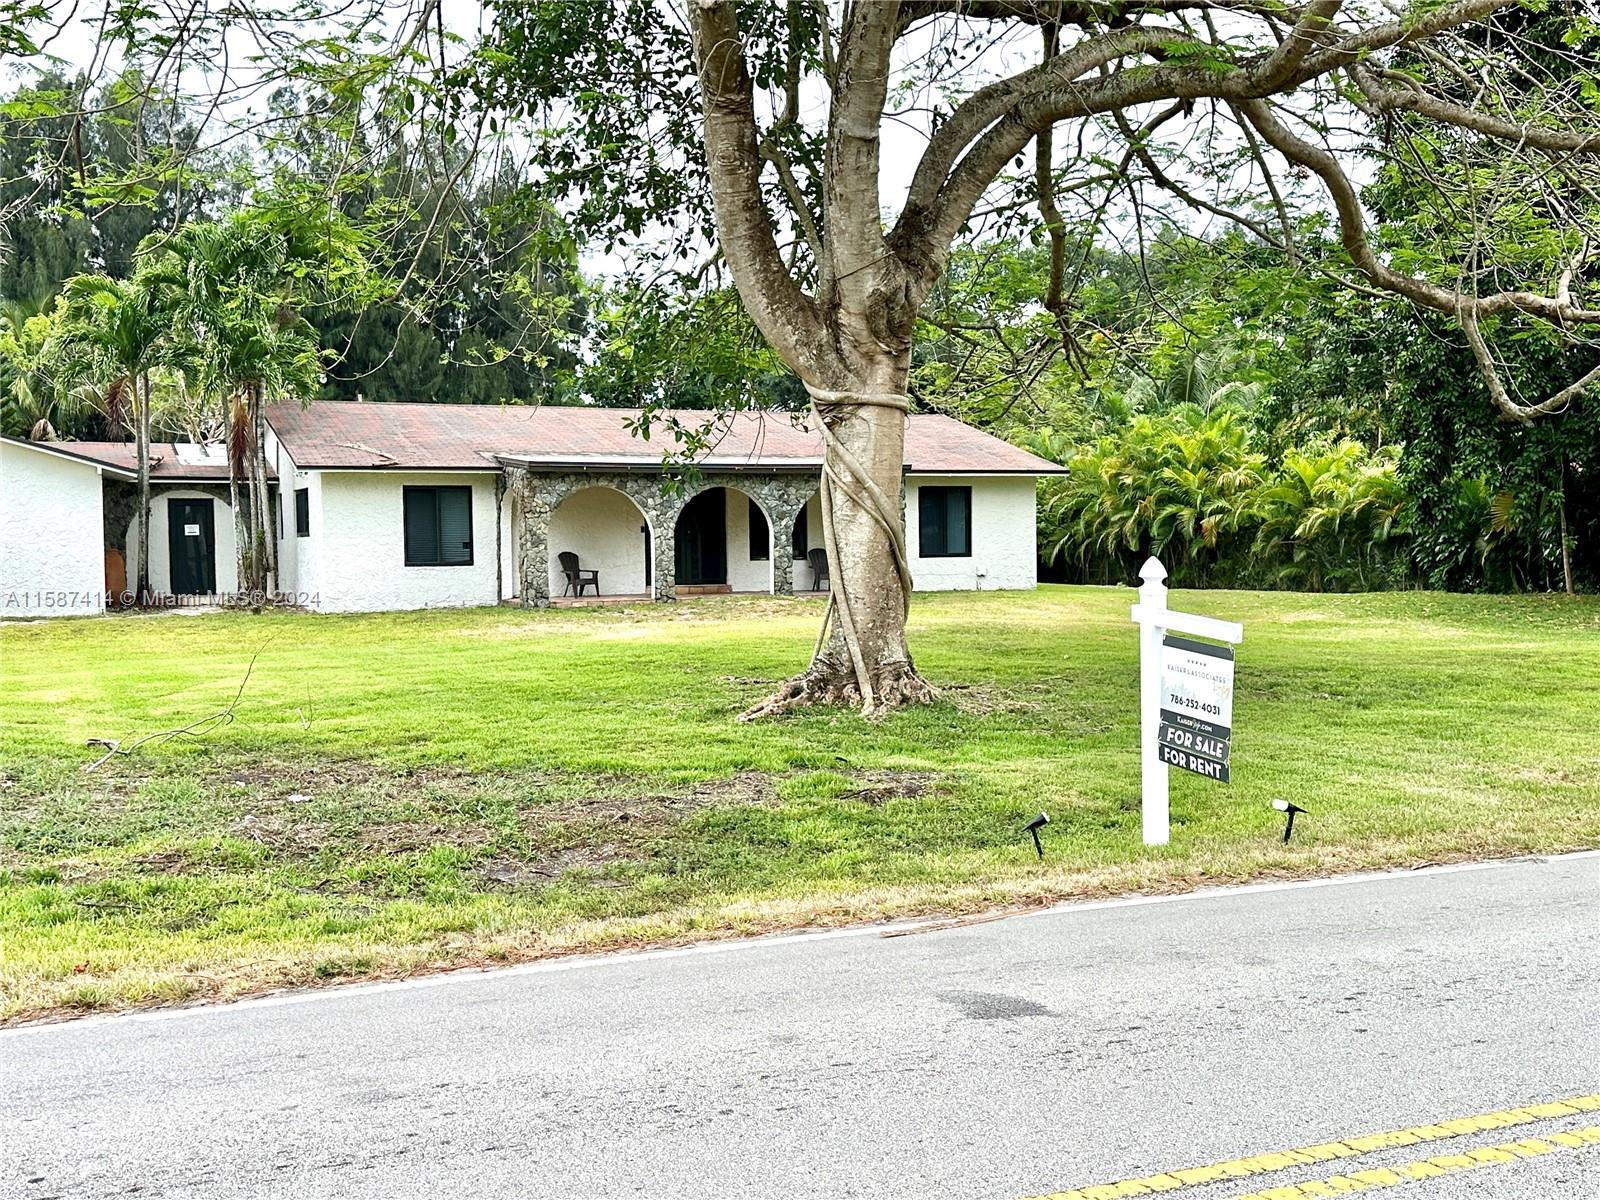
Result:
{"points": [[438, 526], [944, 522]]}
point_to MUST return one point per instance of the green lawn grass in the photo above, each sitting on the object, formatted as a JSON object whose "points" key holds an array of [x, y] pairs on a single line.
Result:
{"points": [[402, 792]]}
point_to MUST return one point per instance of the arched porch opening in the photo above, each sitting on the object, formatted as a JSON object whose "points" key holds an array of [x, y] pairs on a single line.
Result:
{"points": [[608, 534], [804, 537], [723, 543]]}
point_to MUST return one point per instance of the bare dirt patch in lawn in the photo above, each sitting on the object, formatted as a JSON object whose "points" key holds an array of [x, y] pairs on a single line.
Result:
{"points": [[880, 787], [285, 779], [519, 828], [408, 837], [514, 873], [167, 862]]}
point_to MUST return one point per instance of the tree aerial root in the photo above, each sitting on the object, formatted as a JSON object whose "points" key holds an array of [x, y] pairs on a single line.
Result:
{"points": [[895, 685]]}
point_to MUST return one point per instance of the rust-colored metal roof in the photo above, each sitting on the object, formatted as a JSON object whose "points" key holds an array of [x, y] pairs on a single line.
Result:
{"points": [[363, 435], [122, 459]]}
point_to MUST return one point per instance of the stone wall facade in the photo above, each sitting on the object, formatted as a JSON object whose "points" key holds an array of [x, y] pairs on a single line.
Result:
{"points": [[536, 494]]}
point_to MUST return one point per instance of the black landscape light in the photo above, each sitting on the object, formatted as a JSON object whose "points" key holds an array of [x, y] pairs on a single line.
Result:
{"points": [[1290, 807], [1034, 826]]}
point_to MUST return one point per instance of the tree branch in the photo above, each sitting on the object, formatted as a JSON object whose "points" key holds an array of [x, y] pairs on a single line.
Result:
{"points": [[1509, 408], [1284, 221], [786, 316], [1353, 234], [851, 222], [1136, 142], [1280, 66], [1397, 33], [1466, 309], [998, 122], [1414, 99], [1045, 184]]}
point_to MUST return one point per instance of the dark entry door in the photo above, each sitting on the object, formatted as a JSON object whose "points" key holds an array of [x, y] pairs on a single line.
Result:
{"points": [[191, 544], [702, 547]]}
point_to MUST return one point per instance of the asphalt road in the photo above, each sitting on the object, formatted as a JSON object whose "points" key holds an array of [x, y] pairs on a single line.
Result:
{"points": [[1002, 1059]]}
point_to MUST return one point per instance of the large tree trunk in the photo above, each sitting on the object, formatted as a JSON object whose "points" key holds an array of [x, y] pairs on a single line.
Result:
{"points": [[266, 541], [862, 656], [850, 345], [141, 441], [233, 420]]}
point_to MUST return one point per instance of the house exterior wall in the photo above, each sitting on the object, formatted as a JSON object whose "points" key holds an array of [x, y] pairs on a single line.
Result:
{"points": [[358, 561], [290, 546], [224, 547], [745, 574], [601, 526], [1004, 536], [52, 551], [308, 552]]}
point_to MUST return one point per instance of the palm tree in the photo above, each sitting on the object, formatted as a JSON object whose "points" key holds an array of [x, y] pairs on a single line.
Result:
{"points": [[258, 350], [113, 333], [244, 342], [31, 405], [1331, 513]]}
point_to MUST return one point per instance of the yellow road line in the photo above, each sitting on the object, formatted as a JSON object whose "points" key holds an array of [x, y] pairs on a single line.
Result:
{"points": [[1432, 1168], [1262, 1164]]}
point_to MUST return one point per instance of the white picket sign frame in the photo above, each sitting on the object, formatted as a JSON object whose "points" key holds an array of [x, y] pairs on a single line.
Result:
{"points": [[1154, 619]]}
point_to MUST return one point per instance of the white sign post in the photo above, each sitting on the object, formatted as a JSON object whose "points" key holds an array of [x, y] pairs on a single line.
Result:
{"points": [[1154, 619]]}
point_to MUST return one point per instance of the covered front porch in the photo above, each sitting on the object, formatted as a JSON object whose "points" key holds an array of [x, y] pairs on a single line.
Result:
{"points": [[581, 537]]}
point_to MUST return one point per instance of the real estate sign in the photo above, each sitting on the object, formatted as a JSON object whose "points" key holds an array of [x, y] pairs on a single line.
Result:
{"points": [[1196, 706], [1185, 697]]}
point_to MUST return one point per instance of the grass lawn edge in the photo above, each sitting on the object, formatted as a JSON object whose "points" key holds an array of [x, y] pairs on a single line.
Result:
{"points": [[897, 911]]}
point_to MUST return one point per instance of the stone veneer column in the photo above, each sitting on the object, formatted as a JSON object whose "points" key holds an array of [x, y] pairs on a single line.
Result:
{"points": [[532, 533], [661, 514]]}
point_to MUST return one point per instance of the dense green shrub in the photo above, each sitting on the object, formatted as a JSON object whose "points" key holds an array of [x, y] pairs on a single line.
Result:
{"points": [[1187, 487]]}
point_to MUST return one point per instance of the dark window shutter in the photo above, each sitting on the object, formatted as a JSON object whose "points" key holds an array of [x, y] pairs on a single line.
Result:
{"points": [[930, 521], [438, 526], [455, 525], [302, 512], [422, 527], [958, 522], [760, 536]]}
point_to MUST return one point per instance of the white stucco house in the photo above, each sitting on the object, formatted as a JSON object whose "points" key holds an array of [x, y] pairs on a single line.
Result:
{"points": [[67, 533], [403, 506]]}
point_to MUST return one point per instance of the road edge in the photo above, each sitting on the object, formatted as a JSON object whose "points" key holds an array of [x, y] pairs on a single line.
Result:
{"points": [[732, 945]]}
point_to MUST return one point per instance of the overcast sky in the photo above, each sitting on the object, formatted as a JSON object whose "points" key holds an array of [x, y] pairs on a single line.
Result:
{"points": [[240, 88]]}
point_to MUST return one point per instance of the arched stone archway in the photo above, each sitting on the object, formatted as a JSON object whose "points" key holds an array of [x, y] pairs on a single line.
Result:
{"points": [[781, 496], [537, 494], [723, 538], [609, 533]]}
